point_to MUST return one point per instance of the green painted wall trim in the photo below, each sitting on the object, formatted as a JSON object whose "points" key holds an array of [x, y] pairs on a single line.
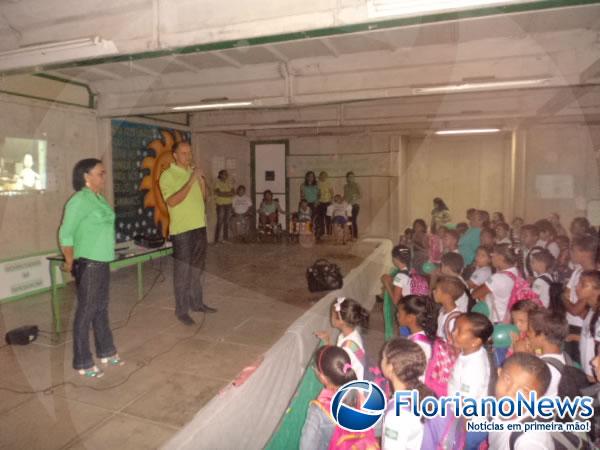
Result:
{"points": [[332, 31]]}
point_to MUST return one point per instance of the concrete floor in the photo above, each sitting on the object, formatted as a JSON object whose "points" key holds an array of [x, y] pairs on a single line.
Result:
{"points": [[172, 370]]}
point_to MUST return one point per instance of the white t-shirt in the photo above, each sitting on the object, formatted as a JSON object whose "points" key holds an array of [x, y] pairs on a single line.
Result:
{"points": [[506, 240], [572, 284], [552, 390], [357, 365], [442, 317], [542, 288], [339, 209], [402, 432], [481, 275], [426, 346], [587, 343], [462, 303], [471, 375], [501, 286], [530, 440], [242, 204], [402, 280], [552, 247]]}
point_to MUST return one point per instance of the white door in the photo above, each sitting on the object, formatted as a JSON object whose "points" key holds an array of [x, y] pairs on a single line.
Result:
{"points": [[269, 173]]}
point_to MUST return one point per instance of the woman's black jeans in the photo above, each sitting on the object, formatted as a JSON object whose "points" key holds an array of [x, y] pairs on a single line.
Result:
{"points": [[93, 279], [355, 211], [223, 214]]}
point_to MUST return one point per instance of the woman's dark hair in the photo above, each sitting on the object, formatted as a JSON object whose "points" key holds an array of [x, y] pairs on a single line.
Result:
{"points": [[352, 312], [221, 173], [481, 326], [425, 310], [314, 181], [81, 168], [506, 252], [408, 364], [330, 361], [268, 191], [439, 204], [349, 173], [402, 254]]}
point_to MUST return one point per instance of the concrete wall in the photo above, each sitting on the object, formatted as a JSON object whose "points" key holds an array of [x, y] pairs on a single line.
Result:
{"points": [[465, 171], [208, 148], [559, 150], [29, 223]]}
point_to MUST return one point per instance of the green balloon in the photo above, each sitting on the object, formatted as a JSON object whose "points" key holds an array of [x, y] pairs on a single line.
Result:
{"points": [[450, 226], [502, 335], [482, 308], [429, 267]]}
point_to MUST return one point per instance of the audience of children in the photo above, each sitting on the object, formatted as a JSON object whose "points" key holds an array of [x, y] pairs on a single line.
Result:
{"points": [[557, 322]]}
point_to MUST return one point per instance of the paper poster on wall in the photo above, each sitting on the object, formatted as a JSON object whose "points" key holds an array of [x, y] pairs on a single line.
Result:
{"points": [[555, 186]]}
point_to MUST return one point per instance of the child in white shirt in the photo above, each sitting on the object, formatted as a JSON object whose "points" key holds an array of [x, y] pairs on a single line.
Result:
{"points": [[483, 268], [340, 213], [588, 289], [398, 286], [418, 314], [542, 262], [403, 363]]}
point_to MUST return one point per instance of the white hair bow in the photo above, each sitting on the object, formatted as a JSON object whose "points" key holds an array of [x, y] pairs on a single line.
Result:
{"points": [[338, 303]]}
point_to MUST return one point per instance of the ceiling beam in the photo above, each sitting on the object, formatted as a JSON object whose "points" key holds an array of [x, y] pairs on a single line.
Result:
{"points": [[228, 59], [132, 65], [183, 64], [330, 47], [273, 51]]}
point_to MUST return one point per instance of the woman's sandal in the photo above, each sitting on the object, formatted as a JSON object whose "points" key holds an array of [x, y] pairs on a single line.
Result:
{"points": [[92, 372], [114, 360]]}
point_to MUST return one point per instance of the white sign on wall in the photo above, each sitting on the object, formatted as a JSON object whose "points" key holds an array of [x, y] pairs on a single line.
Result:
{"points": [[555, 186], [22, 276]]}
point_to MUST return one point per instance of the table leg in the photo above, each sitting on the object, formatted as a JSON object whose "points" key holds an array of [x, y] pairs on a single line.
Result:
{"points": [[56, 314], [140, 280]]}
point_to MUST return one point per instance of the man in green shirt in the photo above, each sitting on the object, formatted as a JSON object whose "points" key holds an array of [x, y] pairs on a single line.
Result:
{"points": [[183, 187]]}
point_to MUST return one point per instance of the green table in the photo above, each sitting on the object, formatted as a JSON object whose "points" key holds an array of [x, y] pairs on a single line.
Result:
{"points": [[125, 257]]}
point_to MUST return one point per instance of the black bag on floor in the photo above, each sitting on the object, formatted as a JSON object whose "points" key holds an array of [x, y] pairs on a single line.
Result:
{"points": [[324, 276], [22, 335]]}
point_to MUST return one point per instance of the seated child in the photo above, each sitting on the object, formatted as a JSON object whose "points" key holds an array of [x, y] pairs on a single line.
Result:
{"points": [[242, 212], [547, 331], [446, 292], [269, 209], [341, 213], [303, 216], [483, 268], [523, 373], [349, 317], [333, 369]]}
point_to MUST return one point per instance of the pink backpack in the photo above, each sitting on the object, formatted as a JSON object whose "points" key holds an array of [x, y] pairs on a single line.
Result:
{"points": [[443, 358], [520, 291], [418, 283]]}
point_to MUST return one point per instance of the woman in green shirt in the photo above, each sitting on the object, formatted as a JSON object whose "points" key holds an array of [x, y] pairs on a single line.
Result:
{"points": [[309, 190], [87, 241], [352, 197]]}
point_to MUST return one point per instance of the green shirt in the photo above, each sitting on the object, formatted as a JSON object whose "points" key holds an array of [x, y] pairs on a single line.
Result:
{"points": [[89, 227], [189, 214], [352, 193], [223, 187], [310, 192]]}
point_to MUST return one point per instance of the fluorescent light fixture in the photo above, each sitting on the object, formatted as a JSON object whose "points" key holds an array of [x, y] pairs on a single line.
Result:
{"points": [[212, 106], [56, 52], [408, 8], [468, 131], [479, 86]]}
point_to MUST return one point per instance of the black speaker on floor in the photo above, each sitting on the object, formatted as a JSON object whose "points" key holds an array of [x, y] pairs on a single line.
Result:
{"points": [[22, 335]]}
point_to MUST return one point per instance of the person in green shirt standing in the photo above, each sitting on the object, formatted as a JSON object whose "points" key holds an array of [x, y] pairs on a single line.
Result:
{"points": [[352, 196], [224, 193], [183, 187], [87, 241]]}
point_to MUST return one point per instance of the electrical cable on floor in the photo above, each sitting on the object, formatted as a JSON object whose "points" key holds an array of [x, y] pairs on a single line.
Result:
{"points": [[140, 365]]}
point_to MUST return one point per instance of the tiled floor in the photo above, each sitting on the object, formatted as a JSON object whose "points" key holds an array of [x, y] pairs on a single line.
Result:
{"points": [[171, 370]]}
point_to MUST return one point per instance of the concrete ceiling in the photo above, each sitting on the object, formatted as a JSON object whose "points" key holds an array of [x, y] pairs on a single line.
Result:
{"points": [[333, 79]]}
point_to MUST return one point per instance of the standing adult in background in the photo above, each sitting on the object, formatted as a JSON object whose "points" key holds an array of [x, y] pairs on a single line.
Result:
{"points": [[87, 241], [325, 198], [183, 189], [352, 197], [440, 214], [309, 191], [224, 193], [469, 242]]}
